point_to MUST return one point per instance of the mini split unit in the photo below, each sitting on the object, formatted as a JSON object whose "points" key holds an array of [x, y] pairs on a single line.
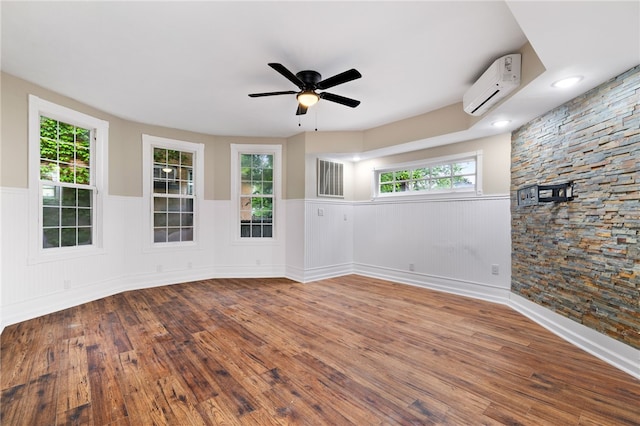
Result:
{"points": [[500, 79]]}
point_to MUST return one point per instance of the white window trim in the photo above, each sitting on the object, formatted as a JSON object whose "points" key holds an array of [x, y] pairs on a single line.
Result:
{"points": [[278, 211], [429, 162], [149, 142], [99, 155]]}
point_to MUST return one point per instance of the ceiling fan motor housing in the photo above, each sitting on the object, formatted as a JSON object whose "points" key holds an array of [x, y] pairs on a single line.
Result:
{"points": [[309, 78]]}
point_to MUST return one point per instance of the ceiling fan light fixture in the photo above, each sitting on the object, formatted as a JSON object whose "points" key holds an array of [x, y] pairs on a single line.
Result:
{"points": [[308, 98]]}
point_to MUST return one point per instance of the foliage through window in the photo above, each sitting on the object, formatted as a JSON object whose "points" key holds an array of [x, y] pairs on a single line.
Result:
{"points": [[437, 176], [67, 184], [256, 195], [173, 195]]}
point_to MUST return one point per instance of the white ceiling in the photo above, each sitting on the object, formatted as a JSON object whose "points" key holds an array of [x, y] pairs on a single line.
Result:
{"points": [[190, 65]]}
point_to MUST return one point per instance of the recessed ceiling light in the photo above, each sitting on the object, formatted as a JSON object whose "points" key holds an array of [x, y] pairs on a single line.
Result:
{"points": [[500, 123], [567, 82], [356, 158]]}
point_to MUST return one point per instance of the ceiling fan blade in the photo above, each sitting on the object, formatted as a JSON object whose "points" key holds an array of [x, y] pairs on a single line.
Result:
{"points": [[287, 74], [339, 99], [343, 77], [257, 95], [301, 109]]}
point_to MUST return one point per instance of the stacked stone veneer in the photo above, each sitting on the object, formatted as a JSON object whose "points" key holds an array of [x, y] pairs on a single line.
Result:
{"points": [[581, 258]]}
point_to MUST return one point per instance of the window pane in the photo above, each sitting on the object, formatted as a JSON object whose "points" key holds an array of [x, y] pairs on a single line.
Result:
{"points": [[186, 219], [440, 171], [466, 168], [464, 181], [50, 238], [49, 171], [84, 217], [84, 197], [186, 205], [386, 177], [159, 219], [66, 172], [82, 175], [50, 195], [246, 188], [68, 237], [186, 158], [48, 149], [50, 216], [68, 217], [159, 235], [160, 155], [267, 188], [159, 204], [69, 197], [173, 219], [442, 183], [386, 188], [173, 156], [84, 236], [159, 187], [173, 204]]}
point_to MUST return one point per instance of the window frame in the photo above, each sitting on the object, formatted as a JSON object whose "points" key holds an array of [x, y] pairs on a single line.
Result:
{"points": [[428, 163], [98, 179], [236, 186], [149, 142]]}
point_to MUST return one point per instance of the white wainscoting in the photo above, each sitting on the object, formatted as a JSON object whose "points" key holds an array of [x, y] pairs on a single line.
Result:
{"points": [[31, 288], [328, 239], [448, 245]]}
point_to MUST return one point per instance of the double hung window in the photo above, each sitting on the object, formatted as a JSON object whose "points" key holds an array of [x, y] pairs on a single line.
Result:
{"points": [[255, 189], [173, 183], [68, 155]]}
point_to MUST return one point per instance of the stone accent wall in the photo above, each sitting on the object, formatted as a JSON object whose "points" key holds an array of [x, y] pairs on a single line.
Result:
{"points": [[581, 258]]}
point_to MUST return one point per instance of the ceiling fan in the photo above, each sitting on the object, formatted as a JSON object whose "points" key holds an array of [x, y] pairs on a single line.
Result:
{"points": [[308, 82]]}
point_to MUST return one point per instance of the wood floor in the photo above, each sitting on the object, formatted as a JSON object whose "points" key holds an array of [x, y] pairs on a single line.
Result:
{"points": [[349, 350]]}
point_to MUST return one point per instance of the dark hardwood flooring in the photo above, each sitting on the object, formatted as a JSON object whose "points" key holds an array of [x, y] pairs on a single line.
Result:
{"points": [[349, 350]]}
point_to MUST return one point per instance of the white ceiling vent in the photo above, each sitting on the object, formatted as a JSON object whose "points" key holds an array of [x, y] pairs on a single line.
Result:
{"points": [[500, 79]]}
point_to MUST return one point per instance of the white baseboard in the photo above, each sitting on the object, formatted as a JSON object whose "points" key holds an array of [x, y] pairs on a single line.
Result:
{"points": [[612, 351], [321, 273], [476, 290]]}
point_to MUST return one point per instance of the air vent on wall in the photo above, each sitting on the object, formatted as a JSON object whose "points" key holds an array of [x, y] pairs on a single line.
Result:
{"points": [[330, 179]]}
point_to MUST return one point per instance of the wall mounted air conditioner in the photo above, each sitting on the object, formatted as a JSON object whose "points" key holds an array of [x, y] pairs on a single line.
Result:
{"points": [[500, 79]]}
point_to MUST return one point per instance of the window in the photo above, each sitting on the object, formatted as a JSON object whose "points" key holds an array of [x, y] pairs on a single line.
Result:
{"points": [[67, 176], [460, 173], [256, 183], [173, 185], [330, 179]]}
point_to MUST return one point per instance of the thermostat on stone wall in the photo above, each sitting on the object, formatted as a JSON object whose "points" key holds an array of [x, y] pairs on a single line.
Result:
{"points": [[536, 194]]}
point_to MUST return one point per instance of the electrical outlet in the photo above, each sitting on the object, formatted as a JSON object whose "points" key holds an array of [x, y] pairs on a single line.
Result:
{"points": [[67, 284], [495, 269], [412, 267], [320, 212], [158, 268]]}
